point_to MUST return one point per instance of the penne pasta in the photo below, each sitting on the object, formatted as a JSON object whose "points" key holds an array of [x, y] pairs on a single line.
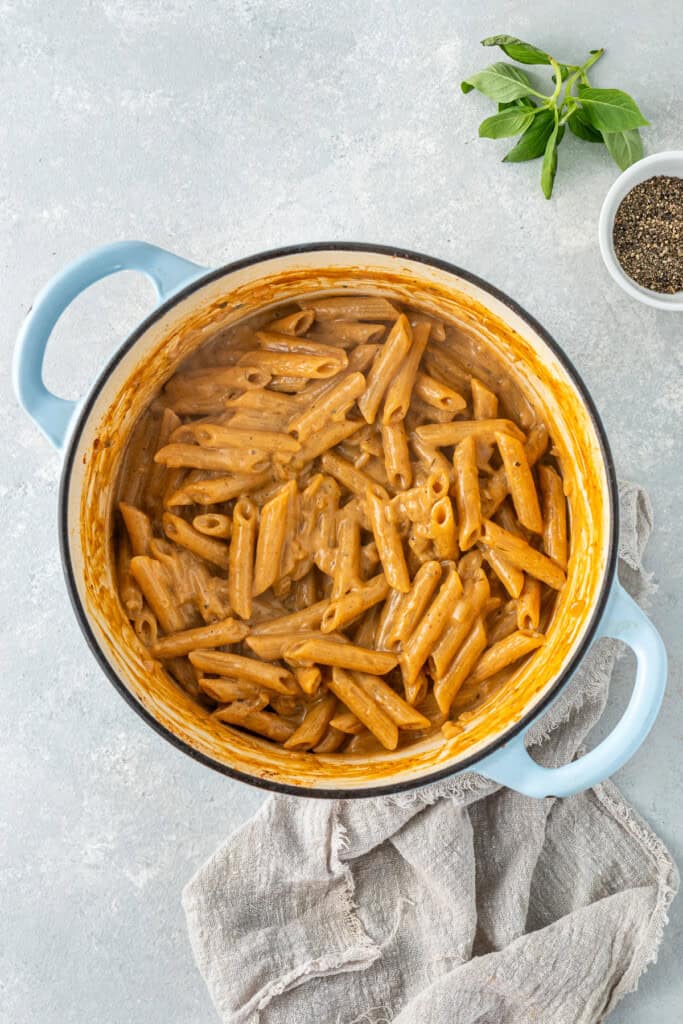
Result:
{"points": [[388, 541], [554, 515], [217, 634], [522, 555], [467, 496], [352, 307], [180, 531], [520, 482], [301, 366], [344, 686], [446, 687], [224, 663], [331, 652], [430, 627], [396, 456], [442, 435], [400, 389], [394, 349], [271, 539], [213, 524], [341, 521], [315, 724]]}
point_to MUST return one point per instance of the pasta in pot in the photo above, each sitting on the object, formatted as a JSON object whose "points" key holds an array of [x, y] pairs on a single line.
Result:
{"points": [[340, 525]]}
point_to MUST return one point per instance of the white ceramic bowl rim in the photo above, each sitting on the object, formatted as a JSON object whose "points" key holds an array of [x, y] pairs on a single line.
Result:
{"points": [[468, 761], [670, 163]]}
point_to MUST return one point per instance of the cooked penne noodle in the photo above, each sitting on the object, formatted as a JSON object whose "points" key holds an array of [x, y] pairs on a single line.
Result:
{"points": [[469, 565], [151, 577], [388, 541], [183, 674], [331, 405], [384, 634], [343, 610], [416, 691], [271, 539], [504, 653], [181, 532], [441, 529], [331, 652], [414, 604], [440, 363], [439, 395], [325, 439], [271, 646], [443, 434], [484, 407], [496, 489], [192, 456], [529, 606], [224, 691], [314, 725], [506, 518], [352, 307], [396, 456], [264, 723], [299, 322], [145, 626], [365, 708], [309, 679], [509, 575], [241, 557], [466, 610], [216, 490], [467, 497], [331, 741], [353, 479], [224, 663], [347, 561], [430, 627], [138, 528], [347, 722], [431, 458], [399, 711], [446, 687], [213, 524], [297, 365], [217, 634], [156, 480], [394, 349], [272, 341], [346, 333], [400, 390], [307, 618], [129, 591], [521, 482], [306, 590], [218, 435], [521, 554], [554, 515]]}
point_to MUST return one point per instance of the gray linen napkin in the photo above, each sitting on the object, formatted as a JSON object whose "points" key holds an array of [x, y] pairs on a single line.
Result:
{"points": [[461, 902]]}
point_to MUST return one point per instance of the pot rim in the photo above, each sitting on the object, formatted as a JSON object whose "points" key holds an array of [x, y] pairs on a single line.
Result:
{"points": [[563, 677]]}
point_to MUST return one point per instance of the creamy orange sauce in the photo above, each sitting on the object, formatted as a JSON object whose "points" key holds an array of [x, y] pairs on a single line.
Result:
{"points": [[549, 390]]}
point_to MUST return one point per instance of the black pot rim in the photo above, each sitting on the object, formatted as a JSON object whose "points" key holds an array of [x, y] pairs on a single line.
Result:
{"points": [[388, 788]]}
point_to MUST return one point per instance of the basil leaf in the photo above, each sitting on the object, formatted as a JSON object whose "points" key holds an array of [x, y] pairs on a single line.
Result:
{"points": [[610, 110], [532, 144], [549, 163], [507, 123], [625, 148], [523, 101], [524, 53], [582, 128], [500, 81]]}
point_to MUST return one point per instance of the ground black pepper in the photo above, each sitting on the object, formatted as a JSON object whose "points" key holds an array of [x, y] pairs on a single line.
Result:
{"points": [[648, 234]]}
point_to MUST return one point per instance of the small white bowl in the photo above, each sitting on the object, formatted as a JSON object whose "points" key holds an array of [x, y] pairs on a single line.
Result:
{"points": [[670, 163]]}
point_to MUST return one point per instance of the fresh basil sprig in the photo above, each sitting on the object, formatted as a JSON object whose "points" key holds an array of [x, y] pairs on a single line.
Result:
{"points": [[607, 116]]}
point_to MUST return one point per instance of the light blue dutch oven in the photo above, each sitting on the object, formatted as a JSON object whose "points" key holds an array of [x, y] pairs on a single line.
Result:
{"points": [[194, 302]]}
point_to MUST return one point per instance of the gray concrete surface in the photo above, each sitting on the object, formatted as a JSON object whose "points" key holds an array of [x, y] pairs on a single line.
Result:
{"points": [[219, 129]]}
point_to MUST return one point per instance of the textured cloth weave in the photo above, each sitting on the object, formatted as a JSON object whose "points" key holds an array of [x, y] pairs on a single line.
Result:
{"points": [[461, 902]]}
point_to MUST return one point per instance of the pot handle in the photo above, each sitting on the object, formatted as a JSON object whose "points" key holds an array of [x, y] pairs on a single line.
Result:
{"points": [[512, 765], [54, 415]]}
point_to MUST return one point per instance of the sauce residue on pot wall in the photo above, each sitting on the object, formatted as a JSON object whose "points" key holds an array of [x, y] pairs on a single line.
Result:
{"points": [[166, 344]]}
